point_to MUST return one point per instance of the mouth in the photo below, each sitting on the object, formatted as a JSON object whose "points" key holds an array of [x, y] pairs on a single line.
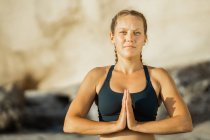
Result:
{"points": [[129, 46]]}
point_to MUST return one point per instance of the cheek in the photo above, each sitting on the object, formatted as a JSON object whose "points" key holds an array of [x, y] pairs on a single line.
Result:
{"points": [[119, 40], [140, 41]]}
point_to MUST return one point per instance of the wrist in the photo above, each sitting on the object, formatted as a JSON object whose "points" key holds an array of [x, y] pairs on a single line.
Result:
{"points": [[134, 126], [116, 127]]}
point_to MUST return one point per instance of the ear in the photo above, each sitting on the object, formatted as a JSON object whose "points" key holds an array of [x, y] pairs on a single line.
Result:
{"points": [[111, 37], [145, 40]]}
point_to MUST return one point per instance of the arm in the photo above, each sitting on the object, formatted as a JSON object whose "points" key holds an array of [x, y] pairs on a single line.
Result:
{"points": [[179, 120], [75, 121]]}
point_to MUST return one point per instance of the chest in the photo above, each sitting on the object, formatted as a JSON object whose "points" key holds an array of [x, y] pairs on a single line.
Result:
{"points": [[144, 103], [133, 82]]}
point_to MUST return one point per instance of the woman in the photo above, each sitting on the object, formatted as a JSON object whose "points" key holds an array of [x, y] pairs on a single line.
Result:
{"points": [[128, 93]]}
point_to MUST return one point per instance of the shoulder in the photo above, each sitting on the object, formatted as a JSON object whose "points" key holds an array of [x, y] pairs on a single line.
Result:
{"points": [[163, 77], [97, 73], [159, 73], [157, 70]]}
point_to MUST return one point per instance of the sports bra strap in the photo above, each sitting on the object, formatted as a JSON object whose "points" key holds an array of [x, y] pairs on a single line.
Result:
{"points": [[109, 73], [146, 73]]}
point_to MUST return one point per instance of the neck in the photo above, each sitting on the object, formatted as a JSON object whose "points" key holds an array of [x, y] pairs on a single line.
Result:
{"points": [[128, 66]]}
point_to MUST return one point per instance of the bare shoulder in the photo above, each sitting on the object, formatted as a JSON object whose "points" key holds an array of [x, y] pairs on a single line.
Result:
{"points": [[159, 73], [97, 73], [167, 84]]}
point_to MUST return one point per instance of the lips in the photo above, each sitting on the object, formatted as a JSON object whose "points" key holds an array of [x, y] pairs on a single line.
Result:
{"points": [[129, 46]]}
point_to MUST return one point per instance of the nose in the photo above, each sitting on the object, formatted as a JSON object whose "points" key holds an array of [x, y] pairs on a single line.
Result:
{"points": [[130, 37]]}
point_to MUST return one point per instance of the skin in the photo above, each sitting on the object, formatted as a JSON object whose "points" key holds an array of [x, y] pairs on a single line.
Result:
{"points": [[129, 39]]}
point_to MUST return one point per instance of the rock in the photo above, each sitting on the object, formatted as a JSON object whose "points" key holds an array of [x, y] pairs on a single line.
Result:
{"points": [[22, 111], [45, 112], [11, 108], [58, 42], [194, 81]]}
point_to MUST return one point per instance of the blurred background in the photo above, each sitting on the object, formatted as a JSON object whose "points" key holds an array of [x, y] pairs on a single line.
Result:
{"points": [[48, 46]]}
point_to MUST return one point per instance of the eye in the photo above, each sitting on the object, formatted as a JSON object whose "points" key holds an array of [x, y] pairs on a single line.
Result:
{"points": [[123, 32], [137, 33]]}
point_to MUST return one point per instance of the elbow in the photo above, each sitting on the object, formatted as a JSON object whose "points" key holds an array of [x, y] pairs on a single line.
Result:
{"points": [[187, 126], [68, 126], [67, 129]]}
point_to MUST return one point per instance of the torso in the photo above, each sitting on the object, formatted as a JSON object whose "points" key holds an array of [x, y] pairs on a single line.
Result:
{"points": [[135, 82], [132, 82]]}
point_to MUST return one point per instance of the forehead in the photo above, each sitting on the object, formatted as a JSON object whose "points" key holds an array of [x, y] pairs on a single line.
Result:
{"points": [[129, 22]]}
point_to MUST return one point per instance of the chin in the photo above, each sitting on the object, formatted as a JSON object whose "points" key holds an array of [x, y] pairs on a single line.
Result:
{"points": [[130, 55]]}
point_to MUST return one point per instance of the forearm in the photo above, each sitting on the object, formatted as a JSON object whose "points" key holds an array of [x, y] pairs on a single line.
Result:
{"points": [[89, 127], [166, 126]]}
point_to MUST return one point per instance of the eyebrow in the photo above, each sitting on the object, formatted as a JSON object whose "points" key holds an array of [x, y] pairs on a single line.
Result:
{"points": [[133, 30]]}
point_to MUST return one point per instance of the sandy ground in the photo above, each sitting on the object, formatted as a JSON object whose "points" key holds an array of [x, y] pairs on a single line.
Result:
{"points": [[200, 132], [46, 136]]}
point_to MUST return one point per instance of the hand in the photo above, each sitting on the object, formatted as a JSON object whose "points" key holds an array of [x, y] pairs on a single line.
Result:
{"points": [[121, 122], [131, 122]]}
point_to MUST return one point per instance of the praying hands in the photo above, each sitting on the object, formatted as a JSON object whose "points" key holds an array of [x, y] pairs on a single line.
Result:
{"points": [[126, 117]]}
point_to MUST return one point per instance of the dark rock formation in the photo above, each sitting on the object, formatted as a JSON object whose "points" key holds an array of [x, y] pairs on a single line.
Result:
{"points": [[195, 82], [11, 108], [26, 113], [45, 112]]}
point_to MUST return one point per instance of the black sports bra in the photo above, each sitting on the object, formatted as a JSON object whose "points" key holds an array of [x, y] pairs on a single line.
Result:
{"points": [[145, 103]]}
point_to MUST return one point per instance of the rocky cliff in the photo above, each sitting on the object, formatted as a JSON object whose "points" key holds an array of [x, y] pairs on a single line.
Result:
{"points": [[55, 43]]}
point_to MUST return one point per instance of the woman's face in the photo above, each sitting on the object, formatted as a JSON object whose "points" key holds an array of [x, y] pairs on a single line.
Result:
{"points": [[128, 37]]}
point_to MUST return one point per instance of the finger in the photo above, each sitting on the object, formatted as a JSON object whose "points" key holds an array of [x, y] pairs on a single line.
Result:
{"points": [[129, 103], [128, 97], [123, 110], [124, 95], [125, 91], [124, 99], [128, 93]]}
